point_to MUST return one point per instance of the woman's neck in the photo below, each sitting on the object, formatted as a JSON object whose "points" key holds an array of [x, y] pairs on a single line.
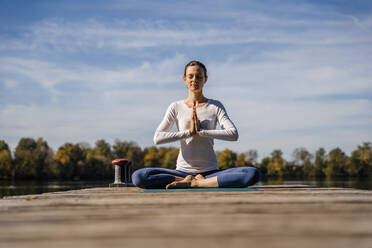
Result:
{"points": [[195, 97]]}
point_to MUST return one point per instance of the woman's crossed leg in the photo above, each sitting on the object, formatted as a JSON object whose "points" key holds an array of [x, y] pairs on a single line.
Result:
{"points": [[239, 177]]}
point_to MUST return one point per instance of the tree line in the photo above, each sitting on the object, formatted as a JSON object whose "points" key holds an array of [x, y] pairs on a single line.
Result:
{"points": [[34, 159]]}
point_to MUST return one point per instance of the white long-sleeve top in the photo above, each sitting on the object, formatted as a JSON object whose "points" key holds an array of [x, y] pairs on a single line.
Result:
{"points": [[196, 153]]}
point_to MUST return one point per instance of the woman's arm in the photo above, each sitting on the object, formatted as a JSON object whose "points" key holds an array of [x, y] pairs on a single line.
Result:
{"points": [[163, 134], [228, 130]]}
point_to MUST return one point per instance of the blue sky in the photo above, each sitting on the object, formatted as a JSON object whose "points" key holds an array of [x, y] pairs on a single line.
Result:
{"points": [[290, 73]]}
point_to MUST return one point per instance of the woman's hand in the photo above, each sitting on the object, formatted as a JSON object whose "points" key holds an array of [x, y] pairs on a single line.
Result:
{"points": [[194, 122]]}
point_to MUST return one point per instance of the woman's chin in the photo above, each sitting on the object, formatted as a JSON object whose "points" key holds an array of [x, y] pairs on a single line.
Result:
{"points": [[195, 90]]}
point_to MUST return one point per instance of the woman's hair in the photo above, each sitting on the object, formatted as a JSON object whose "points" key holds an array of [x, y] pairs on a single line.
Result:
{"points": [[198, 63]]}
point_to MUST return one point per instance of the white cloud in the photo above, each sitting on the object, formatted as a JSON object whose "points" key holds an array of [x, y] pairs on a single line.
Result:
{"points": [[10, 84], [106, 82], [247, 28], [296, 74], [58, 126]]}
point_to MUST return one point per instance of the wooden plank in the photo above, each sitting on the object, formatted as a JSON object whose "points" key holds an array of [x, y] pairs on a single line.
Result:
{"points": [[276, 216]]}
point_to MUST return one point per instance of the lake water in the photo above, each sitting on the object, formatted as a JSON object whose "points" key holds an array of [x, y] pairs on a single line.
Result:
{"points": [[8, 188], [364, 183]]}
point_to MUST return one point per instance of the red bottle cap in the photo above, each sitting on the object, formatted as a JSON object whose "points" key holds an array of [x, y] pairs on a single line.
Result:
{"points": [[121, 161]]}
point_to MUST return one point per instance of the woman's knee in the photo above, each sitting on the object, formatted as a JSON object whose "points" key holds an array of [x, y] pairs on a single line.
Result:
{"points": [[250, 176], [238, 177], [139, 177], [256, 175]]}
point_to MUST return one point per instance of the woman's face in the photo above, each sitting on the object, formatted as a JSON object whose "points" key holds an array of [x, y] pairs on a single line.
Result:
{"points": [[195, 78]]}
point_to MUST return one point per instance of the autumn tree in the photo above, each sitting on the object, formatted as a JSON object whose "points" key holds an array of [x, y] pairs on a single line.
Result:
{"points": [[248, 158], [226, 159], [34, 159], [241, 159], [151, 157], [170, 158], [277, 164], [162, 151], [70, 158], [6, 168]]}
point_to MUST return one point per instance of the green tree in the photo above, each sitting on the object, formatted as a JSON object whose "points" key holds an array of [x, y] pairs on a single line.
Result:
{"points": [[25, 166], [320, 163], [103, 149], [98, 161], [293, 170], [4, 146], [6, 167], [277, 164], [248, 158], [42, 157], [302, 158], [162, 151], [241, 159], [264, 165], [335, 163], [360, 162], [151, 157], [170, 158], [226, 159], [129, 150], [70, 158]]}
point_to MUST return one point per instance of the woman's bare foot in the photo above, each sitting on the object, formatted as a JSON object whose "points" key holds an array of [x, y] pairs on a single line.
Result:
{"points": [[196, 180], [200, 181], [199, 177], [179, 184]]}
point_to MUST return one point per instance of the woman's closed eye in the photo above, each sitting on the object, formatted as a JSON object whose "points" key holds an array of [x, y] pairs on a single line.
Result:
{"points": [[197, 77]]}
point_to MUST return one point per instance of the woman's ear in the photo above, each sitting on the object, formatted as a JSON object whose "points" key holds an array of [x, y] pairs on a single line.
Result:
{"points": [[184, 80]]}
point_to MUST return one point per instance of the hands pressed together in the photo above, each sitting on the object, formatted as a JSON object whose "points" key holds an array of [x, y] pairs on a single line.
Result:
{"points": [[194, 122]]}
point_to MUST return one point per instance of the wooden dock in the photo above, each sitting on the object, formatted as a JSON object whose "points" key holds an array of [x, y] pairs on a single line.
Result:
{"points": [[277, 216]]}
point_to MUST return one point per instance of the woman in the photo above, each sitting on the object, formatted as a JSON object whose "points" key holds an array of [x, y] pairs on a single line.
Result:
{"points": [[196, 118]]}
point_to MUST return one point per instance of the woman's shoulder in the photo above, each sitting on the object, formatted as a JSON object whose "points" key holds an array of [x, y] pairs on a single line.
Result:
{"points": [[176, 105], [216, 103]]}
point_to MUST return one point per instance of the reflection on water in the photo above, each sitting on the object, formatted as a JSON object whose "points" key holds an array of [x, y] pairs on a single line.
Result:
{"points": [[326, 182], [8, 188]]}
